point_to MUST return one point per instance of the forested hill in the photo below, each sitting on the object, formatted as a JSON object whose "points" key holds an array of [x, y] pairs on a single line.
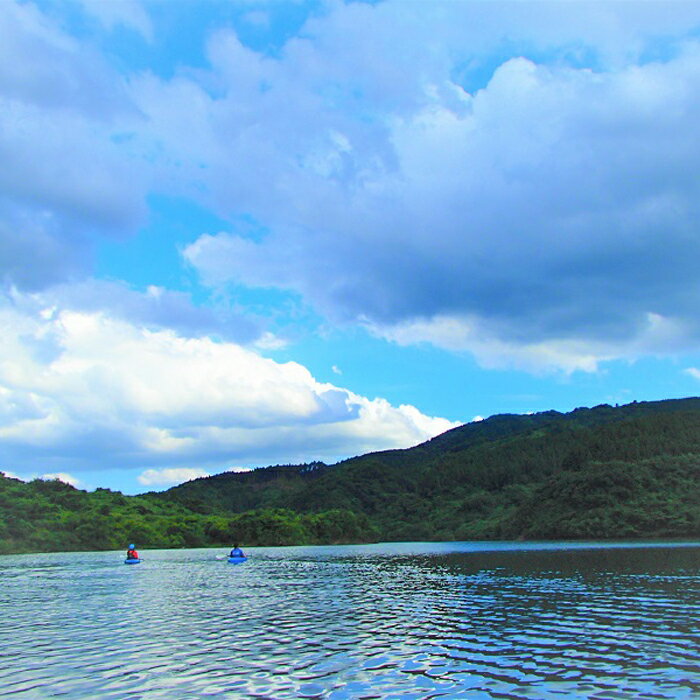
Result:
{"points": [[51, 516], [626, 471], [605, 472]]}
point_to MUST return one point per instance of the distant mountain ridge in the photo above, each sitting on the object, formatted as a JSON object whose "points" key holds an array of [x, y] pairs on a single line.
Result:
{"points": [[484, 479]]}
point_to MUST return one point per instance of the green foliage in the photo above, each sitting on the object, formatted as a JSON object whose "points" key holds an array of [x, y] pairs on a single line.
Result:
{"points": [[656, 497], [286, 527], [52, 516]]}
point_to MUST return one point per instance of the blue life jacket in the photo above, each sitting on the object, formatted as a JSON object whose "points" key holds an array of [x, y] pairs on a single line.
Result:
{"points": [[237, 552]]}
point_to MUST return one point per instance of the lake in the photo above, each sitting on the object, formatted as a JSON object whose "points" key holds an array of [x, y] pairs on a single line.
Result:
{"points": [[409, 620]]}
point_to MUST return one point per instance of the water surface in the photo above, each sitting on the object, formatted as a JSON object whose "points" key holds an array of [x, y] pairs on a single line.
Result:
{"points": [[416, 620]]}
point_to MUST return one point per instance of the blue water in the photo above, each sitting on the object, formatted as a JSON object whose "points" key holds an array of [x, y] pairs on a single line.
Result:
{"points": [[418, 620]]}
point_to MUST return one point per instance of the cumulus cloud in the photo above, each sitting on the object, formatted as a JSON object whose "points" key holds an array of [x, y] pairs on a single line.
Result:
{"points": [[86, 389], [64, 477], [11, 475], [43, 65], [69, 172], [155, 307], [557, 206], [519, 181], [170, 477], [127, 13], [655, 335]]}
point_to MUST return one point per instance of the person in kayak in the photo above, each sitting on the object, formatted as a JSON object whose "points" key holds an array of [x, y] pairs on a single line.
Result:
{"points": [[131, 553], [236, 552]]}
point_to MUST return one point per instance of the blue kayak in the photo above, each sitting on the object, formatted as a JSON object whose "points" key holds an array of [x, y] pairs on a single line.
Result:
{"points": [[132, 561], [236, 560]]}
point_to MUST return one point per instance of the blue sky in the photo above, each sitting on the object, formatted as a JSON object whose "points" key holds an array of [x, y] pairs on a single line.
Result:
{"points": [[241, 233]]}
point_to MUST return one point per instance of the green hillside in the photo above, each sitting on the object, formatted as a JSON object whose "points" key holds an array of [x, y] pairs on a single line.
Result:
{"points": [[628, 471], [605, 472], [50, 516]]}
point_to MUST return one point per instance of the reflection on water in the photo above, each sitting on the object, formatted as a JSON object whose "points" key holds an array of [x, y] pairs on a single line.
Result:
{"points": [[477, 620]]}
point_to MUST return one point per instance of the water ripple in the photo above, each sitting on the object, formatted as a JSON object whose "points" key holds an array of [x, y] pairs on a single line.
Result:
{"points": [[382, 621]]}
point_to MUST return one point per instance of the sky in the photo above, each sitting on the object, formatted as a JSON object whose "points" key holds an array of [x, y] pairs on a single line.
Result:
{"points": [[236, 233]]}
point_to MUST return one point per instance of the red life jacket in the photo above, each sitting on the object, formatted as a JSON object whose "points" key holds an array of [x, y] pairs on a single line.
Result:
{"points": [[132, 554]]}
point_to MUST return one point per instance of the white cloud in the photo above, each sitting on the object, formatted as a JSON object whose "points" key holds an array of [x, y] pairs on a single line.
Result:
{"points": [[400, 179], [238, 470], [157, 307], [693, 372], [462, 334], [128, 13], [45, 66], [552, 207], [12, 475], [169, 477], [270, 341], [90, 390], [64, 477], [67, 132]]}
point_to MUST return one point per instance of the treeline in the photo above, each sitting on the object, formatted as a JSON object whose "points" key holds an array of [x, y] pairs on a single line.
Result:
{"points": [[658, 497], [49, 516]]}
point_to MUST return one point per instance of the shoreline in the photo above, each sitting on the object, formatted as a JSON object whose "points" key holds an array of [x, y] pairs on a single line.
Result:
{"points": [[485, 546]]}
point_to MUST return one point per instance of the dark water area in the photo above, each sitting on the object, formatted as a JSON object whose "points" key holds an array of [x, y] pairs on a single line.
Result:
{"points": [[410, 620]]}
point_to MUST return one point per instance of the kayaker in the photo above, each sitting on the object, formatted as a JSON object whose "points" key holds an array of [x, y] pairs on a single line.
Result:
{"points": [[236, 551], [131, 553]]}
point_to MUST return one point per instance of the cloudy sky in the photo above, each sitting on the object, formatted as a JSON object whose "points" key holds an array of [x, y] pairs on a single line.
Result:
{"points": [[236, 233]]}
